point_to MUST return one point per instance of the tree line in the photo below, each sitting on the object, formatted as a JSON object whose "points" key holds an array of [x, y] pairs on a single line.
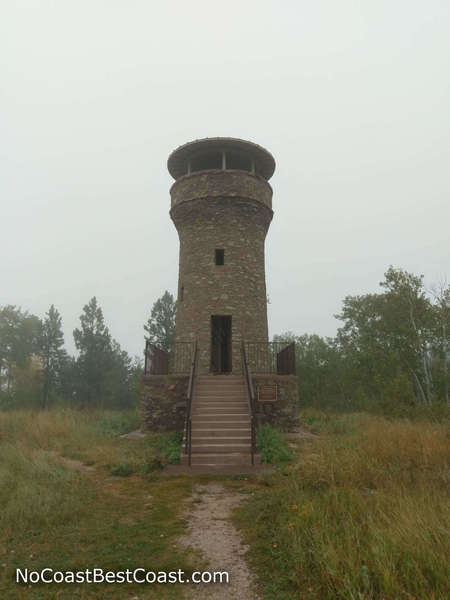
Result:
{"points": [[37, 371], [392, 350]]}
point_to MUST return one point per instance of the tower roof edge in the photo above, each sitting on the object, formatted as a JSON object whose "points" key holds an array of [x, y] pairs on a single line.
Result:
{"points": [[176, 162]]}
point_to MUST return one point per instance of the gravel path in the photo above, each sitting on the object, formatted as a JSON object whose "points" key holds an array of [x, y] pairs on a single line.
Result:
{"points": [[211, 532]]}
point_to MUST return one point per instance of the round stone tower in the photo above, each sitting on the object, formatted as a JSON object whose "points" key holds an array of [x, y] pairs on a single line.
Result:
{"points": [[222, 209]]}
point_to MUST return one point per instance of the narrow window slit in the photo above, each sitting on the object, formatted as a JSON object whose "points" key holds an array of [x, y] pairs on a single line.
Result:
{"points": [[220, 257]]}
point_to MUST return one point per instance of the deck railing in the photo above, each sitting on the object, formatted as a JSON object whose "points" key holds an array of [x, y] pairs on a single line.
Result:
{"points": [[271, 357], [181, 358], [262, 357], [160, 362]]}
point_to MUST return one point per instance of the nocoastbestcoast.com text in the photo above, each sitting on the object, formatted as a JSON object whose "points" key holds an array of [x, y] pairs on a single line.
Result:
{"points": [[138, 575]]}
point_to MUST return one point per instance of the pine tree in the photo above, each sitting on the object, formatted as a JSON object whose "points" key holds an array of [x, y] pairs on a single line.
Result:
{"points": [[93, 341], [52, 354], [118, 379], [161, 323]]}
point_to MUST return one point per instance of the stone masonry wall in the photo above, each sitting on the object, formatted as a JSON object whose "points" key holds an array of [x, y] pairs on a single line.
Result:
{"points": [[163, 402], [239, 226], [218, 183], [284, 413]]}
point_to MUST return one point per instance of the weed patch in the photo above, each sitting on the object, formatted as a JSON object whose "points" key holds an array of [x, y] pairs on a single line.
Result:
{"points": [[114, 423], [272, 446], [166, 446]]}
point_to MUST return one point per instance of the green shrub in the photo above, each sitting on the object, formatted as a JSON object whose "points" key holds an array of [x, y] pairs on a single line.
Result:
{"points": [[167, 446], [272, 446], [152, 463], [114, 423], [122, 470]]}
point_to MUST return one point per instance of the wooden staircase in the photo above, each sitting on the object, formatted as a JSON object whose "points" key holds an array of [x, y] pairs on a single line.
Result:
{"points": [[221, 429]]}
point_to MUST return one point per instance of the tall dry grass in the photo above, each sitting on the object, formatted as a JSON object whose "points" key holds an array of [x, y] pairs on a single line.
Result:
{"points": [[363, 513]]}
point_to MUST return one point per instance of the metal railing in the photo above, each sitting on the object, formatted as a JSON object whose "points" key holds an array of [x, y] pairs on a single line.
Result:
{"points": [[156, 360], [189, 402], [160, 362], [271, 357], [181, 357], [251, 401]]}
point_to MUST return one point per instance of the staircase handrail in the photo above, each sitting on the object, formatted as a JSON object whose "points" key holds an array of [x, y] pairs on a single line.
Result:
{"points": [[189, 402], [250, 399]]}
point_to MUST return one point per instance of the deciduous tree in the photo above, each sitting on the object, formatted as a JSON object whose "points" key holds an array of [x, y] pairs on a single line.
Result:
{"points": [[19, 336]]}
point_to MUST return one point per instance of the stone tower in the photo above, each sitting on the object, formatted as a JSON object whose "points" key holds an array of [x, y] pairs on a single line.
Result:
{"points": [[221, 205]]}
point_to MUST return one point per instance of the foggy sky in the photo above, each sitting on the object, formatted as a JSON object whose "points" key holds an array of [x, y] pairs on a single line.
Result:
{"points": [[351, 97]]}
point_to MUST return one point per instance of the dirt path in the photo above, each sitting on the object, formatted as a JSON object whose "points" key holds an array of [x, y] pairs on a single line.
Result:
{"points": [[70, 463], [211, 532]]}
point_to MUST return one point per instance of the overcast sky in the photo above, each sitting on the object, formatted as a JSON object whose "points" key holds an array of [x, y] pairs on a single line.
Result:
{"points": [[351, 97]]}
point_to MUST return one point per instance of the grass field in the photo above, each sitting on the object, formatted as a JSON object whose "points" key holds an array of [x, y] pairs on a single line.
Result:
{"points": [[360, 512], [53, 515], [363, 512]]}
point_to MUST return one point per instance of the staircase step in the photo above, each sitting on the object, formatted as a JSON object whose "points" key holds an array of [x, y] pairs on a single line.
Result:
{"points": [[223, 404], [221, 424], [220, 408], [220, 394], [216, 377], [221, 432], [207, 448], [200, 387], [235, 458], [221, 419], [208, 393], [216, 381], [222, 439], [218, 384], [216, 420], [226, 400], [218, 417], [226, 404], [208, 389], [221, 399]]}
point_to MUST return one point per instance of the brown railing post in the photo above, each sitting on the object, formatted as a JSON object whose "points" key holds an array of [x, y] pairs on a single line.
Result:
{"points": [[271, 357], [156, 360], [286, 360]]}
